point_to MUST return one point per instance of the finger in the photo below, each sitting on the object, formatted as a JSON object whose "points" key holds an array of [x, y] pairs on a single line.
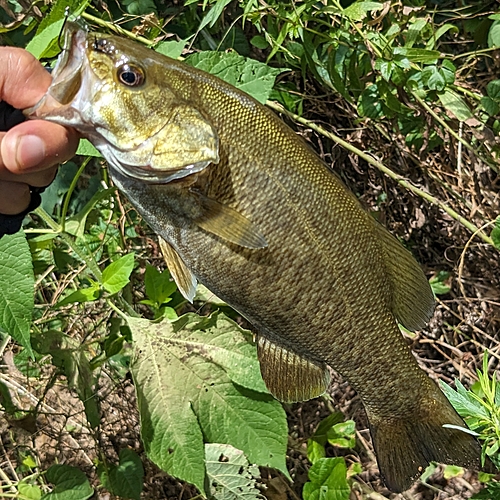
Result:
{"points": [[36, 145], [14, 197], [23, 80]]}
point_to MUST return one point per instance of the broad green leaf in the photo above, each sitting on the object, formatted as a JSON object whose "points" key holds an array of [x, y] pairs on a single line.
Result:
{"points": [[231, 476], [29, 491], [494, 35], [159, 285], [490, 105], [117, 274], [86, 148], [250, 76], [328, 480], [493, 89], [357, 11], [455, 105], [439, 33], [16, 288], [438, 283], [126, 479], [69, 482], [184, 374], [172, 48], [343, 434], [490, 492], [495, 236]]}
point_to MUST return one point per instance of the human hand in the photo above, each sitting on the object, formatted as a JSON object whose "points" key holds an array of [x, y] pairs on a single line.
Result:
{"points": [[30, 151]]}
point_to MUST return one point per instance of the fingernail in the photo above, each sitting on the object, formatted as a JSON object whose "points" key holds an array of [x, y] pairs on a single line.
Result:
{"points": [[30, 151]]}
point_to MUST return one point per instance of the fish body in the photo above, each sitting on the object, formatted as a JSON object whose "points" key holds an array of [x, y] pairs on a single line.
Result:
{"points": [[245, 207]]}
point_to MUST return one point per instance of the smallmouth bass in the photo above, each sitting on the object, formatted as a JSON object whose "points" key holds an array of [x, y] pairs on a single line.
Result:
{"points": [[244, 206]]}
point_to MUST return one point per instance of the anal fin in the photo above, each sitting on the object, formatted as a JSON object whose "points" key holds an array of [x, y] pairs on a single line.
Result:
{"points": [[288, 376], [229, 224], [185, 280]]}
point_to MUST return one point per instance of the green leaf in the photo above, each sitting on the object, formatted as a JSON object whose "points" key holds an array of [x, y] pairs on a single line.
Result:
{"points": [[69, 482], [213, 14], [86, 148], [117, 274], [230, 475], [463, 401], [16, 288], [438, 283], [451, 471], [171, 48], [493, 89], [343, 434], [418, 55], [29, 491], [357, 11], [455, 105], [495, 235], [126, 479], [44, 43], [490, 105], [491, 492], [369, 104], [494, 35], [183, 373], [82, 295], [248, 75], [328, 480], [259, 42], [159, 285], [316, 444]]}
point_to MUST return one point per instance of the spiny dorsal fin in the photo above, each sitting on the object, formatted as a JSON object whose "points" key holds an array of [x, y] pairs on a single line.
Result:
{"points": [[184, 278], [288, 376], [229, 224], [413, 300]]}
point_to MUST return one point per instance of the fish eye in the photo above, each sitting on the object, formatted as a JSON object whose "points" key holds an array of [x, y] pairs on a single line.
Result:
{"points": [[130, 75]]}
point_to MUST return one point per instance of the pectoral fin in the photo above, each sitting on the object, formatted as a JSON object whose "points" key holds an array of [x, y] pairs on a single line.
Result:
{"points": [[228, 224], [185, 280], [413, 300], [288, 376]]}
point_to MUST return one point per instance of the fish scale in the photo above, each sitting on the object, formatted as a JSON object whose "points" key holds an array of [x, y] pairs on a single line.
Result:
{"points": [[244, 206]]}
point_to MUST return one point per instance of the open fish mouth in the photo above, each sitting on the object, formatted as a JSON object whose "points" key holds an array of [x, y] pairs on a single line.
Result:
{"points": [[69, 101]]}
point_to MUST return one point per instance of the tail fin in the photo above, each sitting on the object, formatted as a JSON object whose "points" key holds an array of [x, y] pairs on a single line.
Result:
{"points": [[406, 446]]}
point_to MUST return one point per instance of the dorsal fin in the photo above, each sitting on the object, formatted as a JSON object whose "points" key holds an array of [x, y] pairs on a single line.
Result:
{"points": [[288, 376], [413, 300], [185, 280], [229, 224]]}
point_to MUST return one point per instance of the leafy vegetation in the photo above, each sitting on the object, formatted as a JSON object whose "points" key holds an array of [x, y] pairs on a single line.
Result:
{"points": [[408, 77]]}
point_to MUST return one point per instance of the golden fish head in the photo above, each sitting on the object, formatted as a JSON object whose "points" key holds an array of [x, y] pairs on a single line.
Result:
{"points": [[115, 93]]}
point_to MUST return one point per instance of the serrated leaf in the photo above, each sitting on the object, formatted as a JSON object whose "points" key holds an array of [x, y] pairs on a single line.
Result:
{"points": [[16, 288], [248, 75], [231, 476], [117, 274], [184, 396], [455, 104], [126, 479], [328, 480], [464, 404], [69, 482]]}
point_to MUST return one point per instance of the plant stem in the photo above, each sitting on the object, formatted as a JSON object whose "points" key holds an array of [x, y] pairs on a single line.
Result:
{"points": [[117, 29], [393, 175]]}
